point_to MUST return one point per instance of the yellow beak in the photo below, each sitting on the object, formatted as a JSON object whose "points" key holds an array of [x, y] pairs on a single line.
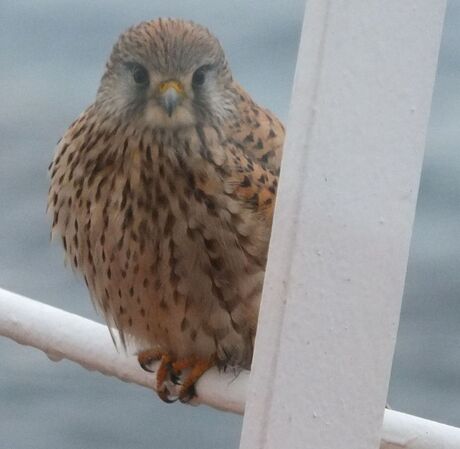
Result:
{"points": [[171, 94]]}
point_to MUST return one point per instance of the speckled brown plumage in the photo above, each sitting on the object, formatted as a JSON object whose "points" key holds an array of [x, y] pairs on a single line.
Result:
{"points": [[163, 192]]}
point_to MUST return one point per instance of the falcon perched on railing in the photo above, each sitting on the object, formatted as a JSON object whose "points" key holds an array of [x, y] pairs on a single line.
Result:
{"points": [[163, 193]]}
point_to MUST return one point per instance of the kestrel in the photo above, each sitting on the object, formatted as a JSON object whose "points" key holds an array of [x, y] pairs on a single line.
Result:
{"points": [[162, 192]]}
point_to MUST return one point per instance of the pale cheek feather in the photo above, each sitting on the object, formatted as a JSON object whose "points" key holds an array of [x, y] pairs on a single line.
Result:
{"points": [[220, 103]]}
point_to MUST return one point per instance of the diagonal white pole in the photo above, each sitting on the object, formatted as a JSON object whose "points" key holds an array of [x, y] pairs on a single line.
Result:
{"points": [[64, 335], [344, 214]]}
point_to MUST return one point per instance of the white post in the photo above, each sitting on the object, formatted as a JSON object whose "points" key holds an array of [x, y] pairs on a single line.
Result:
{"points": [[343, 221]]}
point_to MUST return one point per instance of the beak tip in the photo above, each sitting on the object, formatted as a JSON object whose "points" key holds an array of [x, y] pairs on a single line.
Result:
{"points": [[171, 98]]}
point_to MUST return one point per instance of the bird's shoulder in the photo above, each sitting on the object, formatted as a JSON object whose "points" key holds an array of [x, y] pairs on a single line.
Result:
{"points": [[258, 131], [254, 147]]}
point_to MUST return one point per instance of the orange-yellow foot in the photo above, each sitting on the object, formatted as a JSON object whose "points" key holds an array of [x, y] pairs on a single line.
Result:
{"points": [[146, 358], [195, 368], [172, 371]]}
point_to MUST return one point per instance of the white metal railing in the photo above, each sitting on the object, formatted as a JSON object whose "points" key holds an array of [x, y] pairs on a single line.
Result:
{"points": [[64, 335]]}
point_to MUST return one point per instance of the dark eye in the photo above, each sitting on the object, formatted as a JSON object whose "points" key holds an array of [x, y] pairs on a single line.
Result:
{"points": [[140, 74], [199, 77]]}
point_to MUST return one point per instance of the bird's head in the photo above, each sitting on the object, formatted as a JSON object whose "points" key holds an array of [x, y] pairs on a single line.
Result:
{"points": [[167, 73]]}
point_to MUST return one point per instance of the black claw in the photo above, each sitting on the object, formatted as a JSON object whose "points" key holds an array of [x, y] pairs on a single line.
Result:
{"points": [[164, 396], [188, 395], [146, 367], [175, 378]]}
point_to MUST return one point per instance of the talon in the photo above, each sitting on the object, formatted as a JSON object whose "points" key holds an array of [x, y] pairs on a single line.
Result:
{"points": [[146, 367], [146, 358], [175, 377], [173, 372], [178, 366], [163, 371], [164, 393], [198, 367], [188, 394]]}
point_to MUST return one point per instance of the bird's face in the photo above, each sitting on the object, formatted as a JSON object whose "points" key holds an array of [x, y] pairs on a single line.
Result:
{"points": [[167, 74]]}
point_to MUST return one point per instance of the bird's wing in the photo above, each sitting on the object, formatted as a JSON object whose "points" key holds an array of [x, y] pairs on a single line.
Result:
{"points": [[255, 146], [260, 133]]}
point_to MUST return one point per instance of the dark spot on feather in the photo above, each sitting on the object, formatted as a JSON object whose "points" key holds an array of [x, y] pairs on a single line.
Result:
{"points": [[246, 182], [217, 263], [183, 205], [126, 192], [120, 242], [128, 218], [174, 278], [249, 138], [184, 324], [162, 199], [170, 220], [193, 335], [148, 153], [254, 200]]}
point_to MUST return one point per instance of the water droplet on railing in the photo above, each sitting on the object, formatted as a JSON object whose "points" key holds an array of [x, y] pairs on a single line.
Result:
{"points": [[54, 356]]}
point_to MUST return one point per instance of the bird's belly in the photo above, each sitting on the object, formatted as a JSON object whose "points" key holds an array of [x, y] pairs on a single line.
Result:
{"points": [[183, 284]]}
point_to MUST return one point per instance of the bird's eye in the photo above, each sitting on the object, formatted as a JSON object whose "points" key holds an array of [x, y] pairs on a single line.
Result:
{"points": [[199, 77], [139, 73]]}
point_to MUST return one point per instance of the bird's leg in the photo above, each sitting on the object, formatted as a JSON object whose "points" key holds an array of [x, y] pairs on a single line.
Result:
{"points": [[145, 358], [197, 367]]}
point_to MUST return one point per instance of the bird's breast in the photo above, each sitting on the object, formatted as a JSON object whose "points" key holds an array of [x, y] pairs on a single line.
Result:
{"points": [[162, 245]]}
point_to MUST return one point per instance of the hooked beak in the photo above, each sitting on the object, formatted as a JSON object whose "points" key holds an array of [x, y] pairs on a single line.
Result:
{"points": [[171, 95]]}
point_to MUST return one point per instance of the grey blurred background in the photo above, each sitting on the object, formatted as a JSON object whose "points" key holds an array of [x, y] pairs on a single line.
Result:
{"points": [[52, 56]]}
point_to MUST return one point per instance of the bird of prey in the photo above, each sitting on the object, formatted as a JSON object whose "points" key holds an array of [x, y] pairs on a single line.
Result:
{"points": [[162, 192]]}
